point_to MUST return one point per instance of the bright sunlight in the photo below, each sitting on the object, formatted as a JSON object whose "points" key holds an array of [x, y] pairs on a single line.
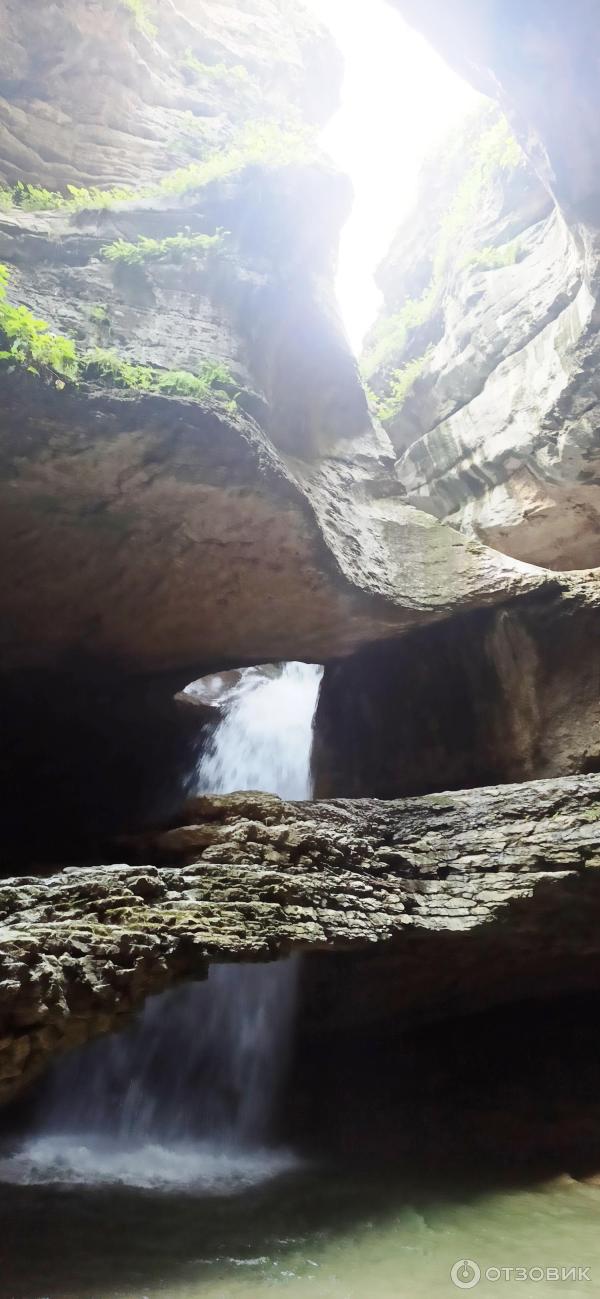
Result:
{"points": [[398, 99]]}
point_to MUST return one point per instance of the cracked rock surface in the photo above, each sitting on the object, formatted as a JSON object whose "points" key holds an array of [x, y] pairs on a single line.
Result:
{"points": [[248, 877]]}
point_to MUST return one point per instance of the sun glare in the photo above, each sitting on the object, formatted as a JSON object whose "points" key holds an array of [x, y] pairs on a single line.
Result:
{"points": [[398, 99]]}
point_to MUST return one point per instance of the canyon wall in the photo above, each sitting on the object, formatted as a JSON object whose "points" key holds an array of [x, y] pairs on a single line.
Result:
{"points": [[494, 696], [483, 362], [184, 423], [191, 480]]}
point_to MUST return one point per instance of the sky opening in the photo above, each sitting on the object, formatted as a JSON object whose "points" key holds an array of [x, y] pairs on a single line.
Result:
{"points": [[398, 100]]}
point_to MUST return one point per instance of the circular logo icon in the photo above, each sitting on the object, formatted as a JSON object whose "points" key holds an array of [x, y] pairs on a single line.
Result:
{"points": [[465, 1274]]}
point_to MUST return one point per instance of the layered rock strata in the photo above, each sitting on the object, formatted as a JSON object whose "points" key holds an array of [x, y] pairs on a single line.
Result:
{"points": [[114, 92], [184, 427], [148, 526], [463, 896], [485, 356]]}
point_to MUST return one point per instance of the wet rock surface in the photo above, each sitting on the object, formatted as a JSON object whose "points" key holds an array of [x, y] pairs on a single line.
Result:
{"points": [[495, 696], [151, 525], [496, 428], [461, 894]]}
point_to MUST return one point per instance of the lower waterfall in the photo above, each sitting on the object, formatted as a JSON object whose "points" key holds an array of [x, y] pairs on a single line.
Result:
{"points": [[185, 1096]]}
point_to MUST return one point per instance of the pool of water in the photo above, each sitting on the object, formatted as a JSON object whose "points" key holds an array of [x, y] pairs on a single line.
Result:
{"points": [[310, 1233]]}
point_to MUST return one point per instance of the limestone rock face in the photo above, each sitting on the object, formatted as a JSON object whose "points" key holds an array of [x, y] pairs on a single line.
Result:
{"points": [[110, 92], [498, 695], [489, 387], [466, 894], [539, 61], [146, 522], [149, 527]]}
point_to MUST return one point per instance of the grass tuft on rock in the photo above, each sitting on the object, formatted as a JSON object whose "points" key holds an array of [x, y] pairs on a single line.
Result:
{"points": [[139, 12], [258, 142], [401, 382], [174, 248]]}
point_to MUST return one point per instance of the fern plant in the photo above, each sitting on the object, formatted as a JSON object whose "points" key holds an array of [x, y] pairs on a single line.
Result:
{"points": [[402, 381], [30, 341], [258, 142], [173, 248], [213, 379], [230, 74]]}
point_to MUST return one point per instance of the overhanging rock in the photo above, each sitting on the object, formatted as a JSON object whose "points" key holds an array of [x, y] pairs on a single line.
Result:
{"points": [[471, 889]]}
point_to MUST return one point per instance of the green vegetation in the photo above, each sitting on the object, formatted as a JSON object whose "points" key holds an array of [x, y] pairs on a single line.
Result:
{"points": [[401, 381], [173, 248], [139, 11], [257, 142], [232, 75], [99, 314], [33, 198], [498, 148], [390, 333], [491, 258], [213, 378], [30, 342], [495, 150], [266, 143]]}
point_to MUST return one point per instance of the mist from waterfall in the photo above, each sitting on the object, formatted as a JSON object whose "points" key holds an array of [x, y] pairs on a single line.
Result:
{"points": [[184, 1098]]}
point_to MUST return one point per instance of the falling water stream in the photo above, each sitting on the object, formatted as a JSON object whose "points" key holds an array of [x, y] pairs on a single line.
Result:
{"points": [[183, 1101], [264, 741], [185, 1097]]}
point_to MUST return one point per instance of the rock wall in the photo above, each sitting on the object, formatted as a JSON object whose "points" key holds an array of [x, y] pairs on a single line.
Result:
{"points": [[190, 479], [507, 1094], [114, 92], [186, 428], [495, 696], [88, 753], [484, 359], [149, 524], [539, 61], [457, 902]]}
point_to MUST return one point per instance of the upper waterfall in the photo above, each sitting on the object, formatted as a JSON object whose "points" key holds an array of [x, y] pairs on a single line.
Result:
{"points": [[264, 741]]}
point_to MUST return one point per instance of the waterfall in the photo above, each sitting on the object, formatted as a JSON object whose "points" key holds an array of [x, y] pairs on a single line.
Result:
{"points": [[264, 741], [185, 1095]]}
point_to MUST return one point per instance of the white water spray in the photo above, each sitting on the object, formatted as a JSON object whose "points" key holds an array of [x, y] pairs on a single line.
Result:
{"points": [[184, 1098], [264, 741]]}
